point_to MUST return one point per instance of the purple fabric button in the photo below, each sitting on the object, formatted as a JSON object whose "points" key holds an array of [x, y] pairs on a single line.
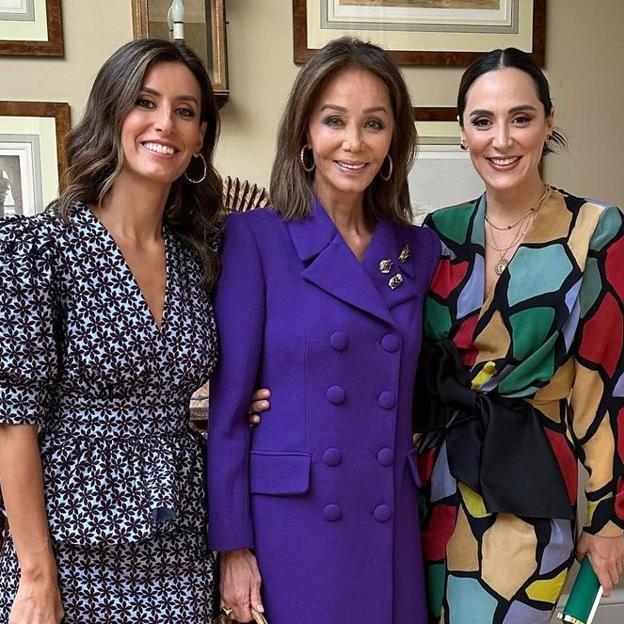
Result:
{"points": [[332, 456], [390, 343], [336, 395], [385, 457], [382, 513], [339, 341], [387, 400], [331, 513]]}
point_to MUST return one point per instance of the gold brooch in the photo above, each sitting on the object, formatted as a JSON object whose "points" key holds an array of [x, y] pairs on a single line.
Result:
{"points": [[395, 281], [405, 253], [385, 265]]}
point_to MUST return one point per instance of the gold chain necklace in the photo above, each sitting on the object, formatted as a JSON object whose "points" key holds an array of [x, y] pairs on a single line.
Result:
{"points": [[503, 261], [526, 220], [508, 227]]}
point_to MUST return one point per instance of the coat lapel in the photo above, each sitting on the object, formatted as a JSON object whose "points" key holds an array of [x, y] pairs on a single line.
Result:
{"points": [[330, 265], [391, 243]]}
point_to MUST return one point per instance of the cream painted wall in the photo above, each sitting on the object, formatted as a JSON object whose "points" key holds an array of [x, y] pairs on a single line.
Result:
{"points": [[92, 30], [585, 52], [585, 64]]}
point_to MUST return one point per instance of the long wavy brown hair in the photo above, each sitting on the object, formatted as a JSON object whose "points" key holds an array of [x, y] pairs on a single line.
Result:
{"points": [[95, 156], [291, 188]]}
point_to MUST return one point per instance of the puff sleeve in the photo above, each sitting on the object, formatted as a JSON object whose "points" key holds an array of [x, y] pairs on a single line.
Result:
{"points": [[597, 398], [29, 313]]}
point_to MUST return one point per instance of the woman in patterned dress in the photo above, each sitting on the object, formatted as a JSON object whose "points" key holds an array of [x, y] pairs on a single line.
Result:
{"points": [[106, 329], [525, 367]]}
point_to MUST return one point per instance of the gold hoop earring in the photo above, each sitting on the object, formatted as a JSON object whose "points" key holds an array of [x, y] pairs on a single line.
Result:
{"points": [[385, 178], [191, 180], [302, 159]]}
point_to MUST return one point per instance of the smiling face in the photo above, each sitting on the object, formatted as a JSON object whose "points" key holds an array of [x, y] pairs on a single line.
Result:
{"points": [[163, 130], [505, 128], [350, 132]]}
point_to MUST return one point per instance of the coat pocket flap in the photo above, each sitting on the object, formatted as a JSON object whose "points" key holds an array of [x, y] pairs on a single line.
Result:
{"points": [[412, 460], [279, 473]]}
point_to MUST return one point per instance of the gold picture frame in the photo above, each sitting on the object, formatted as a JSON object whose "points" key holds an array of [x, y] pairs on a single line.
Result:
{"points": [[32, 157], [423, 32], [34, 28]]}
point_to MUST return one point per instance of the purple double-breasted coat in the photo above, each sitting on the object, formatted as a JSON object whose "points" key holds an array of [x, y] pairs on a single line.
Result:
{"points": [[325, 488]]}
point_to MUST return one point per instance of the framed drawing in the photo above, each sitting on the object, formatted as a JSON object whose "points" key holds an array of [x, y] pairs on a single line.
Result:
{"points": [[443, 174], [31, 154], [423, 32], [31, 28], [204, 31]]}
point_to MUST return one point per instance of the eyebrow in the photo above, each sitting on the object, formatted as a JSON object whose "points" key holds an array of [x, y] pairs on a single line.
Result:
{"points": [[514, 109], [186, 98], [342, 109]]}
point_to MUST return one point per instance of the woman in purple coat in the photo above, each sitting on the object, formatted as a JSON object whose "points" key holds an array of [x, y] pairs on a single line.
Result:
{"points": [[320, 299]]}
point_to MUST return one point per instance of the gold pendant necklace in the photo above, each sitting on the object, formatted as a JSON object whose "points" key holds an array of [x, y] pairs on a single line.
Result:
{"points": [[501, 265], [526, 220]]}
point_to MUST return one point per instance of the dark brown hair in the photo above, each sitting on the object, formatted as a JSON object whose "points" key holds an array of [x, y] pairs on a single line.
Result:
{"points": [[291, 187], [500, 59], [95, 156]]}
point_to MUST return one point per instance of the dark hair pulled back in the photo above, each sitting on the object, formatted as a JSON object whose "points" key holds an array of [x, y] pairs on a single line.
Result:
{"points": [[501, 59]]}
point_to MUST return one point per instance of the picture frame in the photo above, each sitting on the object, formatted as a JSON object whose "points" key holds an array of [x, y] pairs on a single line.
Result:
{"points": [[206, 26], [32, 158], [443, 174], [31, 28], [423, 32]]}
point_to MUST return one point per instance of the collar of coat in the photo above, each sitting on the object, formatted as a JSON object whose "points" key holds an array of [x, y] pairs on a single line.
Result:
{"points": [[331, 265]]}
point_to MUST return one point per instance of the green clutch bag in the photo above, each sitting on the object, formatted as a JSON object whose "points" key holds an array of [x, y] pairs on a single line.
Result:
{"points": [[584, 598]]}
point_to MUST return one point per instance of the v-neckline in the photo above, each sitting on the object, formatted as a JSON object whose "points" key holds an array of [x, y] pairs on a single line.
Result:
{"points": [[158, 327], [478, 228], [338, 233]]}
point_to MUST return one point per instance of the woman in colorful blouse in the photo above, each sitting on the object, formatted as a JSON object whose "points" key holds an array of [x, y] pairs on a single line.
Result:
{"points": [[525, 368]]}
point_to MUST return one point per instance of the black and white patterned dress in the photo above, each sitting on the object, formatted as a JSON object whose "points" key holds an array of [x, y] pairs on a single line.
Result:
{"points": [[81, 356]]}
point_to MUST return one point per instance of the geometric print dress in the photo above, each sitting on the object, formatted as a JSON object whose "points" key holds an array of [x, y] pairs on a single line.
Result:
{"points": [[551, 333], [82, 358]]}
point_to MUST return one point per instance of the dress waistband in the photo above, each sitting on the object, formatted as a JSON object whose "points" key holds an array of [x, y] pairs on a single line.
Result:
{"points": [[495, 444], [114, 418]]}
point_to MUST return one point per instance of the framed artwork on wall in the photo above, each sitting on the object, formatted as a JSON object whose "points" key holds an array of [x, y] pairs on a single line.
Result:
{"points": [[31, 154], [204, 31], [31, 28], [423, 32], [443, 174]]}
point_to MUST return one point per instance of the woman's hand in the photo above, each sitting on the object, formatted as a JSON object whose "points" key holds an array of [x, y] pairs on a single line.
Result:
{"points": [[607, 558], [259, 403], [240, 583], [38, 599]]}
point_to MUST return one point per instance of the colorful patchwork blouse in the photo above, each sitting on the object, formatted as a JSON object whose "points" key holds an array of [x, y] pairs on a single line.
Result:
{"points": [[551, 331]]}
